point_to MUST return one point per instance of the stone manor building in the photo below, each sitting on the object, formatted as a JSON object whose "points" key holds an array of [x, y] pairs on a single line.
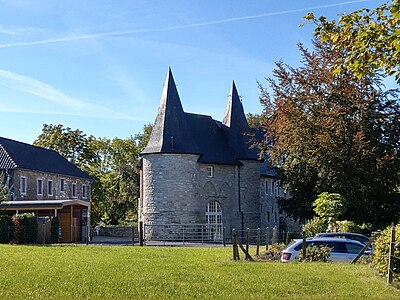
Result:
{"points": [[196, 170]]}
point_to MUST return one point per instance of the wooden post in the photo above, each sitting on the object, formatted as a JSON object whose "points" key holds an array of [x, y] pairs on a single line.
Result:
{"points": [[247, 239], [304, 245], [141, 243], [266, 238], [235, 245], [72, 223], [133, 235], [391, 256], [44, 232], [258, 242], [224, 235], [275, 235]]}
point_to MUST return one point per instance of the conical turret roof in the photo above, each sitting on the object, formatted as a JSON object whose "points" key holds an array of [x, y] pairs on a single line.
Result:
{"points": [[236, 127], [171, 133]]}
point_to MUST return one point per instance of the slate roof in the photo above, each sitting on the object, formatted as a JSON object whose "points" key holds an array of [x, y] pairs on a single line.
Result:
{"points": [[14, 154], [171, 132], [176, 131]]}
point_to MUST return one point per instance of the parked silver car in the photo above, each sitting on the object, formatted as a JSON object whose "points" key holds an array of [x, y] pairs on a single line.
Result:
{"points": [[343, 250]]}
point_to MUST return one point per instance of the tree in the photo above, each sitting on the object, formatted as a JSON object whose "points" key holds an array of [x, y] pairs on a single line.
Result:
{"points": [[71, 144], [370, 38], [255, 120], [5, 187], [334, 133]]}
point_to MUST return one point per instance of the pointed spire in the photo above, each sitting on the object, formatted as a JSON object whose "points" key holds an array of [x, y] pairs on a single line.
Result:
{"points": [[234, 113], [171, 132], [237, 129]]}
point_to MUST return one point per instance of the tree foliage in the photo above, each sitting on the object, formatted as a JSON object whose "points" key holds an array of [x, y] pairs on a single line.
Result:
{"points": [[334, 133], [329, 205], [113, 165], [255, 120], [5, 187], [370, 38]]}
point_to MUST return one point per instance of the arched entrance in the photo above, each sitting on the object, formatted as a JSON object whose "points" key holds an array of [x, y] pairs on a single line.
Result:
{"points": [[214, 221]]}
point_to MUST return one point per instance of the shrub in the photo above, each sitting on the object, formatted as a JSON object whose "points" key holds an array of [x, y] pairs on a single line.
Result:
{"points": [[273, 253], [314, 226], [316, 253], [55, 224], [349, 226], [26, 228], [6, 229], [381, 252]]}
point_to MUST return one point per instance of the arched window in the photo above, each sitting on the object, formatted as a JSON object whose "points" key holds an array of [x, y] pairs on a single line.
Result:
{"points": [[214, 220]]}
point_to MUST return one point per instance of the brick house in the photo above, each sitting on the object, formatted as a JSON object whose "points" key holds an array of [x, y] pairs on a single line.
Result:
{"points": [[197, 170], [45, 183]]}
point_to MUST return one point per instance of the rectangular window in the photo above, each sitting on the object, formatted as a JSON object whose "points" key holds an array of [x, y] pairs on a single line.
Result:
{"points": [[74, 190], [22, 185], [62, 185], [39, 187], [50, 187], [84, 192], [266, 187], [210, 171], [268, 217]]}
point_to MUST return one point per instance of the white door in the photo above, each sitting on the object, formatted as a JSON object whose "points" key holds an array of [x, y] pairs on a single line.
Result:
{"points": [[214, 220]]}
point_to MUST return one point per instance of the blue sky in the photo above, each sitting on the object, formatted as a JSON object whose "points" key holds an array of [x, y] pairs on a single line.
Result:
{"points": [[100, 65]]}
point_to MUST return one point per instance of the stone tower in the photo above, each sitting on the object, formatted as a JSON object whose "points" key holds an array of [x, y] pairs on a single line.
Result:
{"points": [[197, 170]]}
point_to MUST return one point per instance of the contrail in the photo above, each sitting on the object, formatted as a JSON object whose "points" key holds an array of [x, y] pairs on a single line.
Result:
{"points": [[129, 32], [45, 91]]}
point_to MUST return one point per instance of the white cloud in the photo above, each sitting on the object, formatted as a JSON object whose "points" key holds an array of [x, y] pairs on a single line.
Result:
{"points": [[45, 91]]}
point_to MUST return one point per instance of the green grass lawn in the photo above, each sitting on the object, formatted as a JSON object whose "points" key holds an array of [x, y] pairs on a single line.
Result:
{"points": [[100, 272]]}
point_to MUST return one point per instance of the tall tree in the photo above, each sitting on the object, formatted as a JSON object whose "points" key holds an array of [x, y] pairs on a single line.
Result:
{"points": [[334, 133], [72, 144], [371, 39]]}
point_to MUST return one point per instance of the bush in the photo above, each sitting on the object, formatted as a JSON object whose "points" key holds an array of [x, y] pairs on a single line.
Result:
{"points": [[55, 224], [6, 229], [316, 253], [273, 253], [381, 252], [26, 228], [349, 226], [314, 226]]}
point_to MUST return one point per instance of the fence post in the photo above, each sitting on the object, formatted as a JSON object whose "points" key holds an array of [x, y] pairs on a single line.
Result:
{"points": [[44, 232], [133, 235], [304, 245], [141, 233], [267, 238], [258, 242], [247, 238], [391, 256], [224, 235], [275, 235], [234, 245]]}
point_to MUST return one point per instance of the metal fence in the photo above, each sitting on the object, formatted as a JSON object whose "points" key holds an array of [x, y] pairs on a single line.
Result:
{"points": [[184, 233]]}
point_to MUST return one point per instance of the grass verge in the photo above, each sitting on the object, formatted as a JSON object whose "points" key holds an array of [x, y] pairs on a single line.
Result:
{"points": [[93, 272]]}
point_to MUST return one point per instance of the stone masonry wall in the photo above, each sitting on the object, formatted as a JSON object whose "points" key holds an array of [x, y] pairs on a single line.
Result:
{"points": [[249, 193], [31, 186], [169, 194]]}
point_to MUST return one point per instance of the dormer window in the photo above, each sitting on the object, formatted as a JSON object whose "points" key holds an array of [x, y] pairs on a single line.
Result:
{"points": [[210, 171]]}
